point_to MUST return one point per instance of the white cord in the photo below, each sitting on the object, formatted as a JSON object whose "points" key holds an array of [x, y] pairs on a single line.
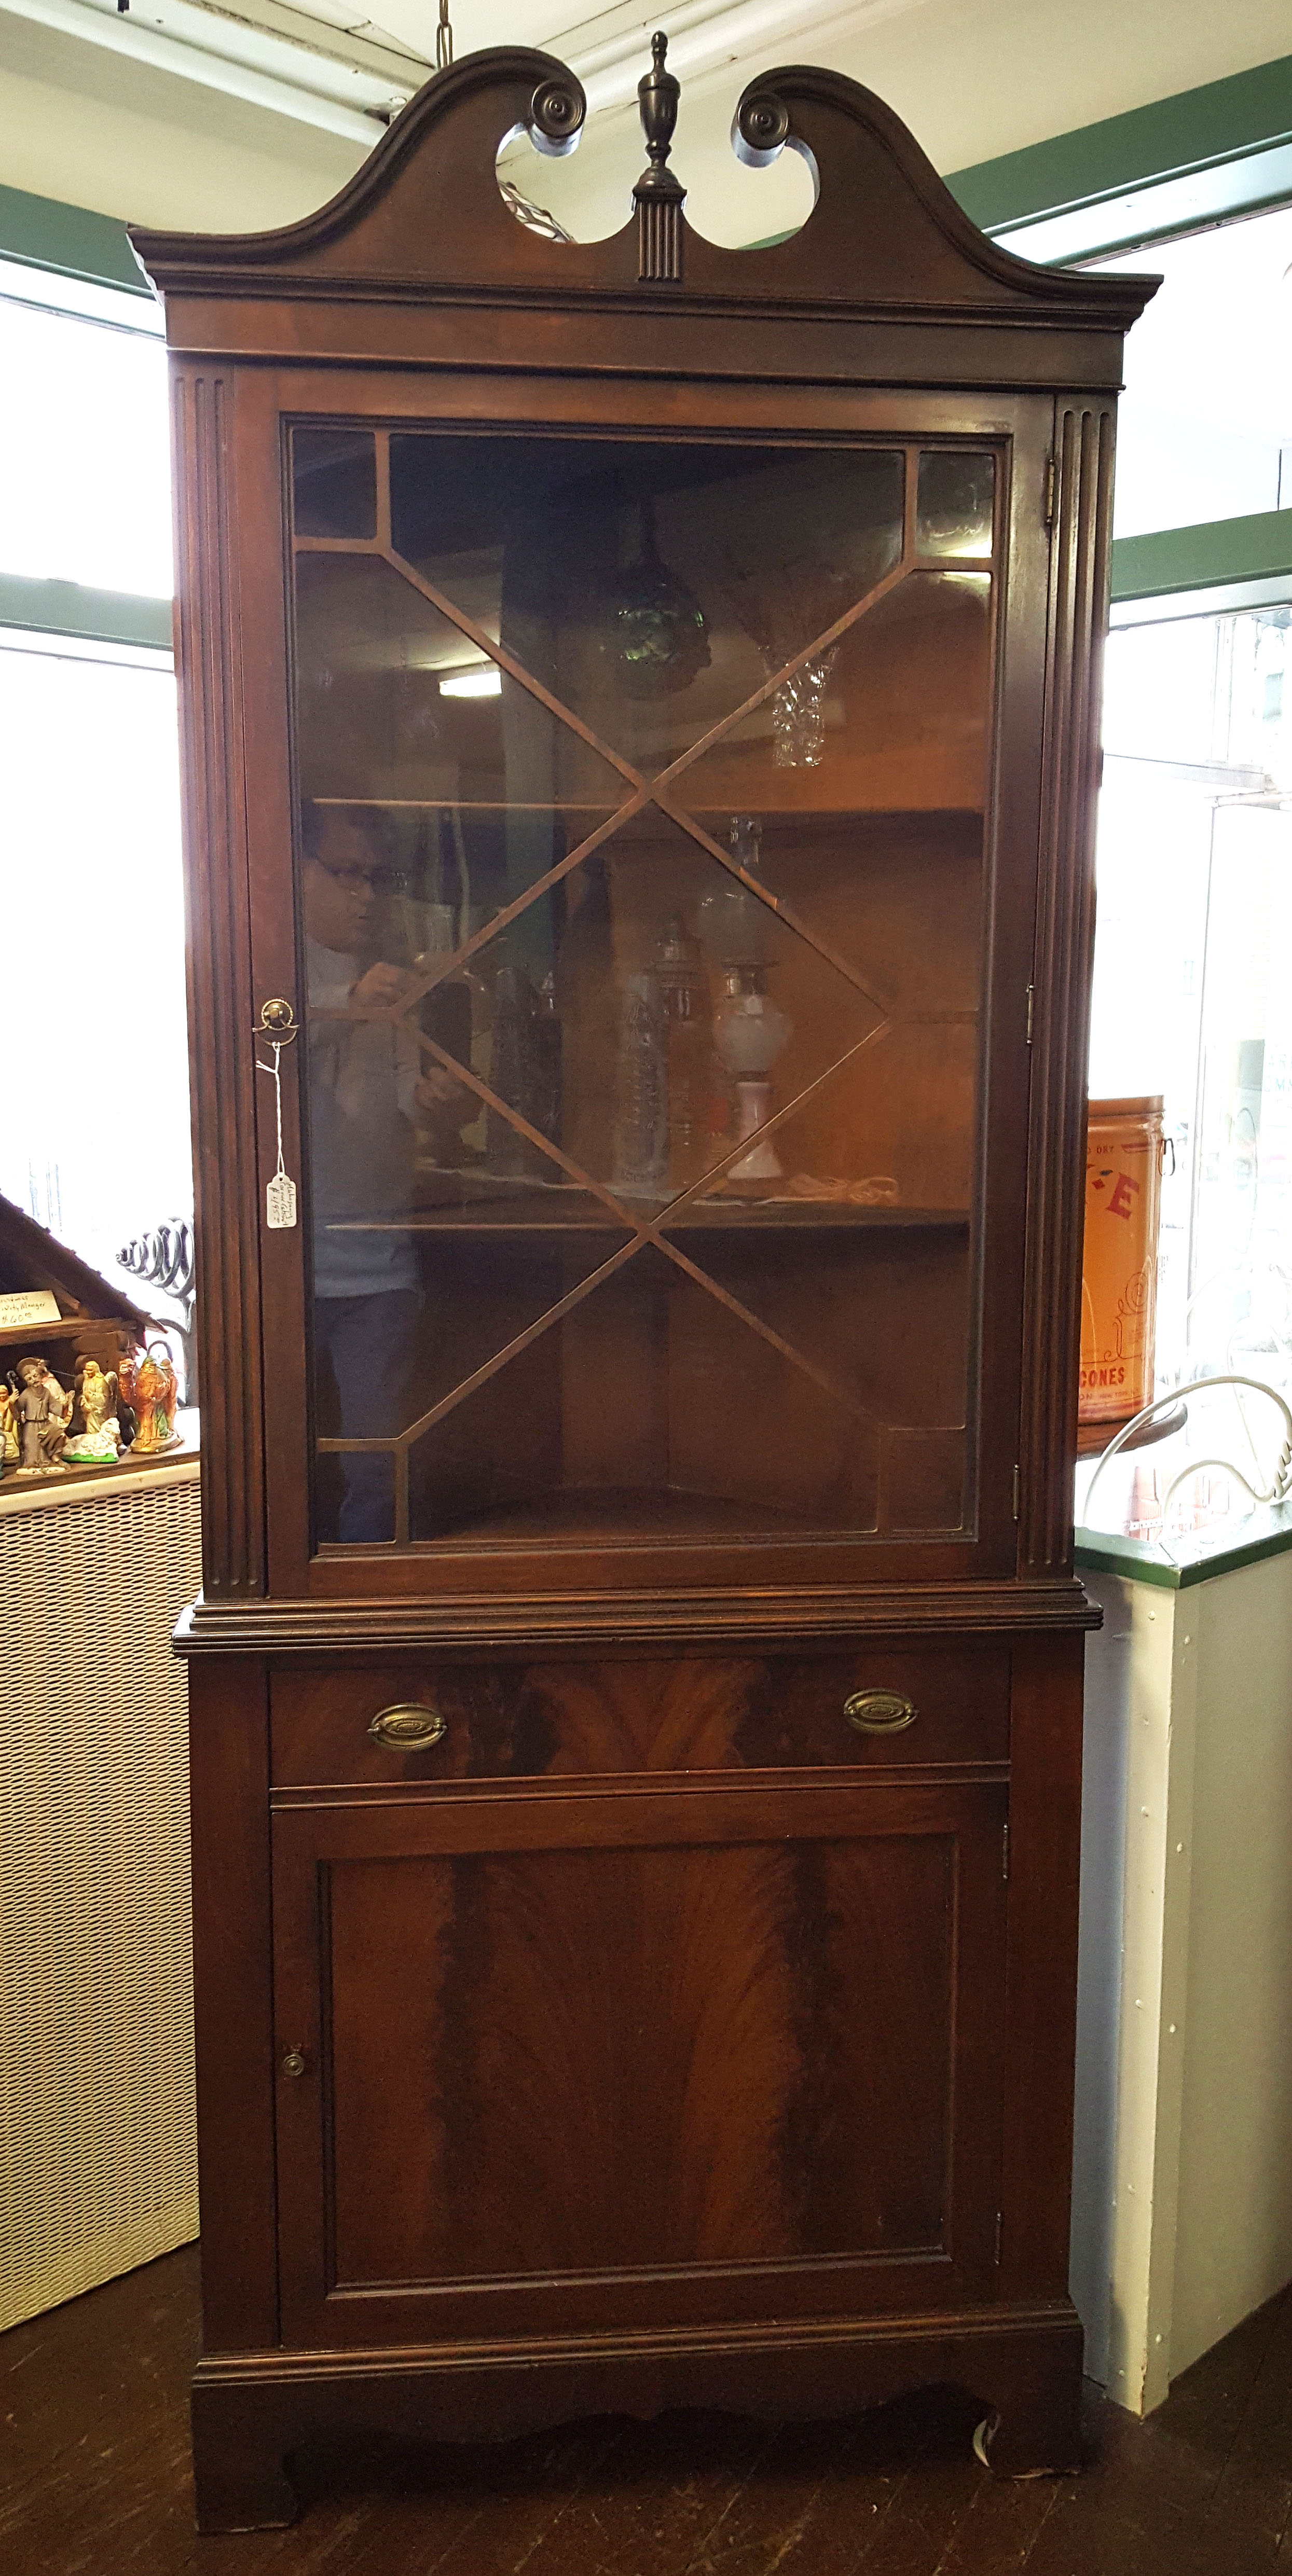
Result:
{"points": [[1282, 1481]]}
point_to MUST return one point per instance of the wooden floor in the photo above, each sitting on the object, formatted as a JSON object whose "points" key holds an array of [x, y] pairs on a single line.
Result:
{"points": [[94, 2479]]}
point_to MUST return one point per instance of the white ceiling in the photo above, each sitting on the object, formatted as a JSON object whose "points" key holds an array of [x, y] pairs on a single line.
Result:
{"points": [[238, 112], [974, 78]]}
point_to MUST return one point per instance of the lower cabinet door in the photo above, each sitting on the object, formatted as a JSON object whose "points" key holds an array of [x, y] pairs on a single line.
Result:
{"points": [[562, 2061]]}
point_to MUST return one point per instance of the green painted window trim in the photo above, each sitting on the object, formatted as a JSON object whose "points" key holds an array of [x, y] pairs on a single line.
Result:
{"points": [[92, 616], [1198, 129], [1213, 556], [40, 232]]}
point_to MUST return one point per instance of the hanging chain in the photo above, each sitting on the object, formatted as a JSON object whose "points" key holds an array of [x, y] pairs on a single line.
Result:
{"points": [[443, 39]]}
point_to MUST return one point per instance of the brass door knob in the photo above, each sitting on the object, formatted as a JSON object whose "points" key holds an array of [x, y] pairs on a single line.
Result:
{"points": [[879, 1712], [408, 1729], [293, 2061]]}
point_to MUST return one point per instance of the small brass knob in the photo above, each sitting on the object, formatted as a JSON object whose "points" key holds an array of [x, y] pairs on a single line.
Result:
{"points": [[293, 2061], [879, 1712], [408, 1729]]}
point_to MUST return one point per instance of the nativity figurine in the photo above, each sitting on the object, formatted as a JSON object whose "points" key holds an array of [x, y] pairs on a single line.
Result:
{"points": [[96, 1441], [42, 1409], [8, 1428], [148, 1382]]}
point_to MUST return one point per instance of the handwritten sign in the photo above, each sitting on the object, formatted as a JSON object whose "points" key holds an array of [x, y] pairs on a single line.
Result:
{"points": [[29, 1306]]}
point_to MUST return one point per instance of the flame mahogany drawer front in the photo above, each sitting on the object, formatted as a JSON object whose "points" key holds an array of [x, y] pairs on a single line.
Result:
{"points": [[874, 1705]]}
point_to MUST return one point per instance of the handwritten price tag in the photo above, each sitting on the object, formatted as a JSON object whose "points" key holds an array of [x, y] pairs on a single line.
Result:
{"points": [[280, 1193]]}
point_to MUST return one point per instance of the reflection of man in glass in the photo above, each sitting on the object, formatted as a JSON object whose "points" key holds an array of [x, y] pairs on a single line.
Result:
{"points": [[365, 1085]]}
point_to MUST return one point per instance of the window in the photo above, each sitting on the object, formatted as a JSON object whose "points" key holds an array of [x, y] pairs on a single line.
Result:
{"points": [[84, 461], [93, 1056], [1205, 430], [1191, 1000], [1191, 993], [1195, 824]]}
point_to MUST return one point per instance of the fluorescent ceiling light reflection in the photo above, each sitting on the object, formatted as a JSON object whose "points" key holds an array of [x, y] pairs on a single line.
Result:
{"points": [[479, 680]]}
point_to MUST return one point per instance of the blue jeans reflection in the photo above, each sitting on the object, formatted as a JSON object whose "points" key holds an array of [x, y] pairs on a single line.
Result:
{"points": [[369, 1343]]}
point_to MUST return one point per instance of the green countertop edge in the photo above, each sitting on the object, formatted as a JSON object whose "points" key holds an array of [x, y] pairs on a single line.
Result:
{"points": [[1103, 1552]]}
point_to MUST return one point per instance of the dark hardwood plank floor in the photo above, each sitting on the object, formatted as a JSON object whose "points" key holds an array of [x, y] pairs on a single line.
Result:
{"points": [[94, 2478]]}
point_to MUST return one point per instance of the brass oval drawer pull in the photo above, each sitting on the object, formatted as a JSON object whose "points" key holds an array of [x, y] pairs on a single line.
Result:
{"points": [[879, 1712], [406, 1729]]}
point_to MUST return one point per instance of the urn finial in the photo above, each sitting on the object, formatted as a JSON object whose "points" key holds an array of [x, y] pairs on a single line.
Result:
{"points": [[658, 194]]}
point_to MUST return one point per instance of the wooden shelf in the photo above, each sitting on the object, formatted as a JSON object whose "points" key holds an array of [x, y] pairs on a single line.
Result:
{"points": [[621, 1514], [107, 1475], [531, 1216], [67, 1328], [478, 804], [709, 815]]}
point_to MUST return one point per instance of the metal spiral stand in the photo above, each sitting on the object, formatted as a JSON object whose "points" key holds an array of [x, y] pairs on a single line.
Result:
{"points": [[164, 1258]]}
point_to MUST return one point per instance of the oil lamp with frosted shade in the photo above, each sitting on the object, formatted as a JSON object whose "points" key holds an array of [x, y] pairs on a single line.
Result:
{"points": [[749, 1033]]}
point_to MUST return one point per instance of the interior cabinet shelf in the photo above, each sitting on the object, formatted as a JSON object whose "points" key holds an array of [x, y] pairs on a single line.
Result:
{"points": [[785, 1217], [626, 1516], [871, 814]]}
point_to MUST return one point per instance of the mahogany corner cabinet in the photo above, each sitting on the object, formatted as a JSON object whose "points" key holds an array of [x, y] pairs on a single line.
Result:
{"points": [[639, 716]]}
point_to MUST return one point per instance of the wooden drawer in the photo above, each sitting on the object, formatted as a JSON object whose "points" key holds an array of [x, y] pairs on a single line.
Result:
{"points": [[690, 1714]]}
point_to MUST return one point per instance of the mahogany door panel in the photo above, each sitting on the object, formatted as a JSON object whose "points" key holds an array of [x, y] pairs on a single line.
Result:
{"points": [[909, 1705], [608, 2058]]}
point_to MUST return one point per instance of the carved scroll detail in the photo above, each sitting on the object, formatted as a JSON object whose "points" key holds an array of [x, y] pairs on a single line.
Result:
{"points": [[556, 114], [761, 128]]}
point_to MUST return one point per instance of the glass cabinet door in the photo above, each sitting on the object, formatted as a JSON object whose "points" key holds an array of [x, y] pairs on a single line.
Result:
{"points": [[641, 899]]}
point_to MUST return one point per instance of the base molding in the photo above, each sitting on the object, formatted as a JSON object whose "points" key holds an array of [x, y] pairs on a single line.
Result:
{"points": [[252, 2410], [776, 1618]]}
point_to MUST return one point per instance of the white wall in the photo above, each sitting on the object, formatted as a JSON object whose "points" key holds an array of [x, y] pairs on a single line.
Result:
{"points": [[1234, 2212], [1182, 2185], [81, 125]]}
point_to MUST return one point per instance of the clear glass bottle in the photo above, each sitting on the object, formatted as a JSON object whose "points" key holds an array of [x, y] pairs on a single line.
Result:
{"points": [[688, 1047], [510, 1156], [641, 1091], [545, 1040]]}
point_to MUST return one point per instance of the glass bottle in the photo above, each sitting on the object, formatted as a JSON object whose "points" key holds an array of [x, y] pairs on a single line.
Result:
{"points": [[510, 1156], [640, 1165], [684, 1000], [732, 921], [587, 1004], [545, 1042]]}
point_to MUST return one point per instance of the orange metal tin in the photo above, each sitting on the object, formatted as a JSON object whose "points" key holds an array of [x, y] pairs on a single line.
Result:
{"points": [[1119, 1259]]}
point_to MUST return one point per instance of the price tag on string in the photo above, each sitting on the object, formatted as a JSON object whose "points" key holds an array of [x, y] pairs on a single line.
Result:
{"points": [[280, 1201], [280, 1193]]}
